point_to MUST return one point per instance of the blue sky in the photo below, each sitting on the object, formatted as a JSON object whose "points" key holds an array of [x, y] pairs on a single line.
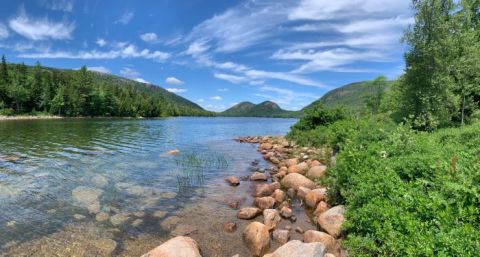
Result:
{"points": [[215, 53]]}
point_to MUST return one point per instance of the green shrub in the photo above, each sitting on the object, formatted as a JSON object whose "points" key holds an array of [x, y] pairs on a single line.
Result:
{"points": [[7, 112]]}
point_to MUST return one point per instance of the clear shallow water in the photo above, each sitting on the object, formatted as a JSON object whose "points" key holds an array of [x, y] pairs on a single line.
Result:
{"points": [[72, 170]]}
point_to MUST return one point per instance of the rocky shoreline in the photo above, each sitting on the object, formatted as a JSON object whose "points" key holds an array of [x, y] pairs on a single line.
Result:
{"points": [[279, 192]]}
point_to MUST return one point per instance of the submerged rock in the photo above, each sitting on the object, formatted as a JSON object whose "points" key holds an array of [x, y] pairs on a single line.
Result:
{"points": [[179, 246], [100, 181], [102, 216], [159, 214], [230, 227], [257, 176], [183, 230], [233, 181], [170, 222], [88, 198], [257, 238], [119, 219]]}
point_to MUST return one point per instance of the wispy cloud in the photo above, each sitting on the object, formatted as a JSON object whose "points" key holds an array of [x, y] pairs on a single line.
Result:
{"points": [[3, 31], [121, 51], [149, 37], [40, 29], [58, 5], [218, 98], [200, 100], [231, 78], [125, 18], [223, 90], [99, 69], [177, 90], [129, 73], [173, 81]]}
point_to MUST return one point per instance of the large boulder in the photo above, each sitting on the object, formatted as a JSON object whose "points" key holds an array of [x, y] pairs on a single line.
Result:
{"points": [[291, 162], [296, 248], [279, 196], [271, 218], [179, 246], [317, 172], [322, 206], [266, 146], [327, 240], [248, 213], [302, 192], [264, 202], [315, 196], [299, 168], [257, 238], [332, 220], [295, 180]]}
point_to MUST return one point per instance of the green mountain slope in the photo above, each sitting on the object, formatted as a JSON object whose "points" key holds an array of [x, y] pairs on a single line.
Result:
{"points": [[351, 96], [264, 109], [29, 89]]}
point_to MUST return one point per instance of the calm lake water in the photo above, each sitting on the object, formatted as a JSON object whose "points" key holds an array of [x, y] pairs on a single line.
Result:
{"points": [[79, 182]]}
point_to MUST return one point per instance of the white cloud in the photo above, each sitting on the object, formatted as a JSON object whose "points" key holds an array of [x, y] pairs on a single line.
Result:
{"points": [[176, 90], [242, 26], [214, 107], [198, 47], [218, 98], [231, 78], [341, 9], [223, 89], [40, 29], [288, 99], [329, 60], [200, 100], [142, 81], [149, 37], [58, 5], [99, 69], [3, 31], [121, 51], [129, 73], [173, 81], [125, 18], [101, 42]]}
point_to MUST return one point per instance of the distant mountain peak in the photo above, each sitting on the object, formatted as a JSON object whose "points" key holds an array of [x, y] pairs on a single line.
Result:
{"points": [[263, 109]]}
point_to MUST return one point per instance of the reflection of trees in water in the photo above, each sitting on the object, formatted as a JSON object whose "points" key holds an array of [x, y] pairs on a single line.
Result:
{"points": [[192, 166]]}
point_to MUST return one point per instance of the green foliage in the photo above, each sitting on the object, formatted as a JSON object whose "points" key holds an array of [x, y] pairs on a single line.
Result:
{"points": [[84, 93], [441, 83], [353, 96], [409, 193]]}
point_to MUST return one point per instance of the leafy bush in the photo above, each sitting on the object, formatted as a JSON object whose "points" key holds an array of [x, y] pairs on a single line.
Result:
{"points": [[7, 112], [409, 193]]}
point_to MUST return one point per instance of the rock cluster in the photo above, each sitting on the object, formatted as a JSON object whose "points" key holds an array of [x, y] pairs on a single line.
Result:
{"points": [[294, 170]]}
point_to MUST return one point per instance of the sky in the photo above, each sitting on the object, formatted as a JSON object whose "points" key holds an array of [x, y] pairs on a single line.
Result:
{"points": [[215, 53]]}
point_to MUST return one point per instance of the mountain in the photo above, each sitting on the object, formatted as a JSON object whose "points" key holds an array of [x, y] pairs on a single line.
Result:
{"points": [[32, 89], [264, 109], [351, 95]]}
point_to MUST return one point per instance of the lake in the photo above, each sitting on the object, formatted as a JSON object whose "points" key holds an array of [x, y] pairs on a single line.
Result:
{"points": [[100, 187]]}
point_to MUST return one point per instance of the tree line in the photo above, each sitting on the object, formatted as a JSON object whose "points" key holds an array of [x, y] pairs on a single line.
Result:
{"points": [[30, 90]]}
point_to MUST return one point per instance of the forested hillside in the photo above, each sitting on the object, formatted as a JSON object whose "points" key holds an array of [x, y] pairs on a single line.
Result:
{"points": [[29, 90], [353, 95]]}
